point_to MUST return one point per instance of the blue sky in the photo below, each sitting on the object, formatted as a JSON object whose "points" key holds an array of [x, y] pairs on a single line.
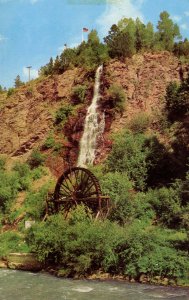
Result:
{"points": [[32, 31]]}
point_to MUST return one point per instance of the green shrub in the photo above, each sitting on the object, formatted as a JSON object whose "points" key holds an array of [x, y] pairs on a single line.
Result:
{"points": [[140, 122], [36, 159], [117, 186], [128, 155], [23, 172], [10, 92], [50, 143], [63, 113], [81, 246], [145, 160], [148, 251], [35, 203], [38, 172], [177, 100], [2, 163], [79, 93], [167, 205], [12, 242], [117, 97], [9, 187]]}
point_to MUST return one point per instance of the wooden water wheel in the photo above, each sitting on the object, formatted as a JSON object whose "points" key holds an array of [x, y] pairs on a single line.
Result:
{"points": [[79, 186]]}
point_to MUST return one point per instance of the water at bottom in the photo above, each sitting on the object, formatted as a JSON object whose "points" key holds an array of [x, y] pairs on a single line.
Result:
{"points": [[36, 286]]}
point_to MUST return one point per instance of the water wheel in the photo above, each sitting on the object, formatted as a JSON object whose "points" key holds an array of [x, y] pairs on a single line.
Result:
{"points": [[79, 186]]}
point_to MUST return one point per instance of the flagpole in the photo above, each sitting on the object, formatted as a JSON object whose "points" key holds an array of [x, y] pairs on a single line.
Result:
{"points": [[82, 36]]}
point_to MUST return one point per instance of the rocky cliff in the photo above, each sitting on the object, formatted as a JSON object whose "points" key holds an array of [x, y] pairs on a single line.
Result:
{"points": [[27, 116]]}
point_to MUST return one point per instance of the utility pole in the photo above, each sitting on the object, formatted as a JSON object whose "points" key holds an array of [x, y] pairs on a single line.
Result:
{"points": [[29, 68]]}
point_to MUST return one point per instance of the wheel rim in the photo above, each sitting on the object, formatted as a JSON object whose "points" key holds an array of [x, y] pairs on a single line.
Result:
{"points": [[77, 186]]}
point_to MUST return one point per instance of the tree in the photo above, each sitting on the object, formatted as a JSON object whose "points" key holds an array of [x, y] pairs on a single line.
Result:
{"points": [[57, 65], [167, 31], [67, 59], [121, 39], [18, 82], [182, 48], [128, 29], [93, 38], [177, 100], [47, 69]]}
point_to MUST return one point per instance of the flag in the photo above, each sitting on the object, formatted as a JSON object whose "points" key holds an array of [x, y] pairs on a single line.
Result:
{"points": [[85, 29]]}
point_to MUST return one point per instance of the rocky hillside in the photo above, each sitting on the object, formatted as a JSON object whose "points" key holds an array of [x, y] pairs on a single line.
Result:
{"points": [[27, 117]]}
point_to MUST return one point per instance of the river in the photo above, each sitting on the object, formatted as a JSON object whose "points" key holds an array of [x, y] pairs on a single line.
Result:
{"points": [[19, 285]]}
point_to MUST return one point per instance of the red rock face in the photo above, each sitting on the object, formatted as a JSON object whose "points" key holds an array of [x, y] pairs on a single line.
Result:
{"points": [[144, 79], [28, 115]]}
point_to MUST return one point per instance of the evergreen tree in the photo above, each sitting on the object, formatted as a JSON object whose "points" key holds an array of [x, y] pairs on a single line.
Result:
{"points": [[93, 38], [57, 65], [18, 82], [182, 48], [50, 66], [167, 31], [121, 39]]}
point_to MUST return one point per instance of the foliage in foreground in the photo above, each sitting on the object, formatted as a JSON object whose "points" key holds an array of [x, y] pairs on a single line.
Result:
{"points": [[81, 245], [12, 242]]}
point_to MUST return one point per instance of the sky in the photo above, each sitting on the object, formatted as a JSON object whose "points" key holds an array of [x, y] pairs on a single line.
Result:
{"points": [[32, 31]]}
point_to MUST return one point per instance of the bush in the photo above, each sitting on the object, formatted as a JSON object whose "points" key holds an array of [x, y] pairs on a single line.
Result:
{"points": [[145, 160], [118, 187], [62, 113], [36, 159], [50, 143], [79, 93], [116, 97], [35, 203], [167, 205], [9, 186], [129, 156], [24, 175], [37, 173], [148, 250], [140, 122], [12, 242], [82, 246], [10, 92], [177, 100], [2, 163]]}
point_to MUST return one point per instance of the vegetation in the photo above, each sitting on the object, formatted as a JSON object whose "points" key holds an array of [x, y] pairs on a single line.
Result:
{"points": [[78, 94], [17, 82], [116, 97], [147, 228], [124, 39], [147, 179], [62, 113], [177, 100], [140, 122], [36, 159], [10, 92]]}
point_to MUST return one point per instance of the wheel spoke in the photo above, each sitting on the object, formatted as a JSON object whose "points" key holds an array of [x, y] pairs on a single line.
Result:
{"points": [[87, 188], [91, 194], [76, 186], [66, 185], [63, 188]]}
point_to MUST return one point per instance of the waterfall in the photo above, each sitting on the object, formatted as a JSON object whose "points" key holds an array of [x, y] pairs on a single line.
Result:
{"points": [[92, 128]]}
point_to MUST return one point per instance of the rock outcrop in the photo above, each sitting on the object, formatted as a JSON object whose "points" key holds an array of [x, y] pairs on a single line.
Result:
{"points": [[27, 116]]}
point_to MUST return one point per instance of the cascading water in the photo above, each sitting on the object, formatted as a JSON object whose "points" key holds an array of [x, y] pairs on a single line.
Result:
{"points": [[92, 128]]}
